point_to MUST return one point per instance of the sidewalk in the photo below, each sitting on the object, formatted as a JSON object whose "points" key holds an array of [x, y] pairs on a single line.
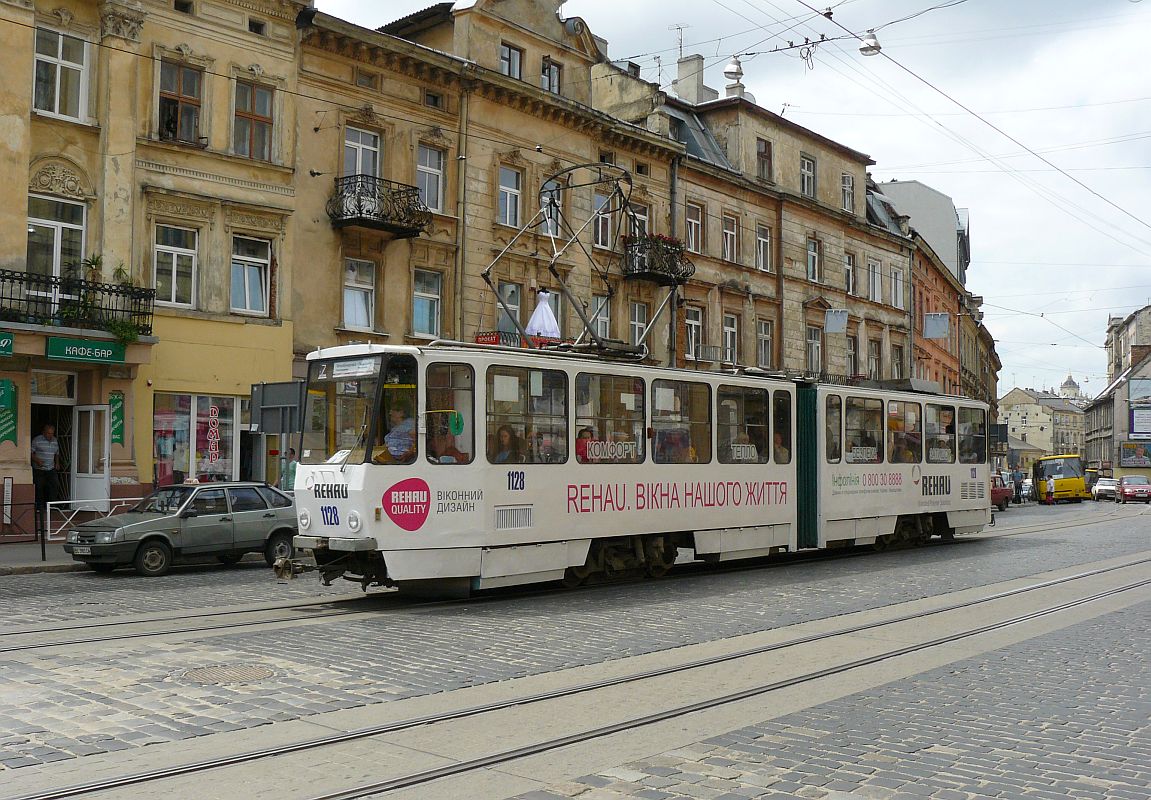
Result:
{"points": [[22, 558]]}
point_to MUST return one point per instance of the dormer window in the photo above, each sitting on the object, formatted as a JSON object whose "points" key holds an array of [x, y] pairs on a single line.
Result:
{"points": [[550, 75]]}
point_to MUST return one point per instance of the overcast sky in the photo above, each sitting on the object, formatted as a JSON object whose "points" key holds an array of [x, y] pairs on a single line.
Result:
{"points": [[1067, 79]]}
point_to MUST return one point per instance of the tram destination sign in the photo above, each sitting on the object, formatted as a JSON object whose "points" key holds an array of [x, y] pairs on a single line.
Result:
{"points": [[63, 349]]}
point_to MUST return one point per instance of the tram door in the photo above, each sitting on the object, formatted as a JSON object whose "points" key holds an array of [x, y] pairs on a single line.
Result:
{"points": [[91, 466]]}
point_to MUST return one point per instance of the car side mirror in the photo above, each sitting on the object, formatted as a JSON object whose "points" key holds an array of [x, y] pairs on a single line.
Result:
{"points": [[188, 513]]}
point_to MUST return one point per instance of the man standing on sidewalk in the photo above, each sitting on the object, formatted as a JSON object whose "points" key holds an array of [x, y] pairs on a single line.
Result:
{"points": [[45, 462]]}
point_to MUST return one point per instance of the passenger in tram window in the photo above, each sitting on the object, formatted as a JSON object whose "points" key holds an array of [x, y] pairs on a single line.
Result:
{"points": [[585, 436], [779, 449], [507, 447], [400, 440], [544, 450], [757, 434], [442, 445]]}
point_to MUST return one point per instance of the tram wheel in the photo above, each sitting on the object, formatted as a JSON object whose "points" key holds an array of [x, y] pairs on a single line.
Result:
{"points": [[883, 542], [574, 577], [659, 557]]}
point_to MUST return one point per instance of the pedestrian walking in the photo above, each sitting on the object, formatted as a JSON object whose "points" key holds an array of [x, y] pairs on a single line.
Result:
{"points": [[1051, 490], [1017, 482]]}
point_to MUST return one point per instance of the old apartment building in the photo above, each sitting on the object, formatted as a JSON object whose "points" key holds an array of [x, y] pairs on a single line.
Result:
{"points": [[150, 160], [217, 187]]}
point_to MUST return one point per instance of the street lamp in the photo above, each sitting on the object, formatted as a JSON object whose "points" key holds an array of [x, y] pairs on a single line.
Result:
{"points": [[869, 44]]}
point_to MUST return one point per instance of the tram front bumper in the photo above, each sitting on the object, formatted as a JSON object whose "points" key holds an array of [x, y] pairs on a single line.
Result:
{"points": [[346, 545]]}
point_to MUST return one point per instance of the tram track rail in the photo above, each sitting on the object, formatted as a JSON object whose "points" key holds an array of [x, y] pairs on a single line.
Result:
{"points": [[425, 776], [514, 754], [398, 602]]}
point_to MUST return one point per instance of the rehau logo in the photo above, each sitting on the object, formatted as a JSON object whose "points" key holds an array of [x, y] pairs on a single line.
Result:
{"points": [[936, 485]]}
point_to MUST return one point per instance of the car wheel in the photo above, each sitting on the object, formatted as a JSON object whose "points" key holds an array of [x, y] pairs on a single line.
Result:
{"points": [[153, 558], [229, 559], [279, 546], [1003, 506], [103, 569]]}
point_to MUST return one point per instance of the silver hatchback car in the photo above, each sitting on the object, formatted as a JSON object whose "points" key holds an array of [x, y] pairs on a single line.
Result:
{"points": [[226, 520]]}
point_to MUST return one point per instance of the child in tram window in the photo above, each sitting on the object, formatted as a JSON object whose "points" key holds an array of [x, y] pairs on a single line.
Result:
{"points": [[443, 450]]}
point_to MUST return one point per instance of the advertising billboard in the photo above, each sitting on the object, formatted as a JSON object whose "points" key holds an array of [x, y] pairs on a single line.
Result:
{"points": [[1134, 454]]}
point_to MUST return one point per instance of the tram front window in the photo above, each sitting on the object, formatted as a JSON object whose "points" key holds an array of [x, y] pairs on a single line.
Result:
{"points": [[396, 431], [341, 394]]}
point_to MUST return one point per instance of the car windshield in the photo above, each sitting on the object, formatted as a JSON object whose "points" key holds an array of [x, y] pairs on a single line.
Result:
{"points": [[1134, 480], [1106, 482], [165, 501]]}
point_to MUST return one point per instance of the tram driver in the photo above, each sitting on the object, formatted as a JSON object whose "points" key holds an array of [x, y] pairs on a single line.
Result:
{"points": [[400, 439]]}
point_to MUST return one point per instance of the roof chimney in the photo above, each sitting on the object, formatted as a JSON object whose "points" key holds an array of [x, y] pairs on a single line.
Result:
{"points": [[689, 86]]}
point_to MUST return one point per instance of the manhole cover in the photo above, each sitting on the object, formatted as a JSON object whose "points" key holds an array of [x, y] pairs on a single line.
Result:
{"points": [[229, 673]]}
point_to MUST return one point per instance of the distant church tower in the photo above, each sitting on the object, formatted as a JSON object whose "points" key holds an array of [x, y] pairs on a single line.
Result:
{"points": [[1070, 389]]}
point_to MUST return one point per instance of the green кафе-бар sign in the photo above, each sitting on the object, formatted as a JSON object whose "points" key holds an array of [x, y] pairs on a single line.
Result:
{"points": [[90, 350]]}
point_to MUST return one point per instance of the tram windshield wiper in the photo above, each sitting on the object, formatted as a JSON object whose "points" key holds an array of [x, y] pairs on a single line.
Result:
{"points": [[356, 446]]}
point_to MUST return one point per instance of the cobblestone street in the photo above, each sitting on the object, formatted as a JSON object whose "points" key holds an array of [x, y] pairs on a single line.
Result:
{"points": [[1062, 716], [138, 695], [65, 702]]}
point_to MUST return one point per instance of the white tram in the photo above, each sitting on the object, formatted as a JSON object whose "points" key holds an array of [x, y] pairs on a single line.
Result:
{"points": [[455, 467]]}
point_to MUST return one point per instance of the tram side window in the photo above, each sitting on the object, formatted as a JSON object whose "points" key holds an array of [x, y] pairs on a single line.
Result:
{"points": [[396, 428], [609, 419], [904, 434], [450, 414], [781, 427], [741, 425], [834, 431], [972, 436], [681, 421], [864, 431], [940, 427], [526, 416]]}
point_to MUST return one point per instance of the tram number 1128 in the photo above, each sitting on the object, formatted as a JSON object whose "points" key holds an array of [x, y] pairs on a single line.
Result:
{"points": [[330, 515], [515, 481]]}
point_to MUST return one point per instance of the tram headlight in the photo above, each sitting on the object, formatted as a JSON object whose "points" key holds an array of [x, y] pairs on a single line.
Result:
{"points": [[354, 520], [305, 518]]}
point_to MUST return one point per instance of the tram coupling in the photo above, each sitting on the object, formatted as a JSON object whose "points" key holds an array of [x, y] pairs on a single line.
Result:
{"points": [[289, 568]]}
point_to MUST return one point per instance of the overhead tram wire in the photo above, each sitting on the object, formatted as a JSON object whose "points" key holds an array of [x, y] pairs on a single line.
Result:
{"points": [[1053, 198], [1124, 139], [1061, 203], [994, 127]]}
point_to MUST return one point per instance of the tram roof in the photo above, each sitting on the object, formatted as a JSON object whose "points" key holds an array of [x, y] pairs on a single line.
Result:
{"points": [[585, 358]]}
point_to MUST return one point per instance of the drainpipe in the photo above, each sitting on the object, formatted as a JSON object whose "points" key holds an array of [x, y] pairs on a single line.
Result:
{"points": [[671, 339], [914, 313], [777, 345], [461, 200]]}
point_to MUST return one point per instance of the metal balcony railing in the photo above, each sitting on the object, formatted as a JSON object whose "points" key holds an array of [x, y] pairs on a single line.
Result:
{"points": [[658, 259], [70, 302], [370, 202]]}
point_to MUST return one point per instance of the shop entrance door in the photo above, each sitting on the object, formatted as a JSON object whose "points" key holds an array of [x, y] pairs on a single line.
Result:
{"points": [[91, 467]]}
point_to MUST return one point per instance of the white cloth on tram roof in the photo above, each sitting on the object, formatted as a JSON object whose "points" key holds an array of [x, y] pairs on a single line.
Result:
{"points": [[543, 321]]}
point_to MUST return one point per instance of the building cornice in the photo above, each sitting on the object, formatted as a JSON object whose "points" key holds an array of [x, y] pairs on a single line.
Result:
{"points": [[429, 66]]}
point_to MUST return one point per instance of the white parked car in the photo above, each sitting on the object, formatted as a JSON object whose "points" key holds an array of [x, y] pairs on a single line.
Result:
{"points": [[1104, 489]]}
